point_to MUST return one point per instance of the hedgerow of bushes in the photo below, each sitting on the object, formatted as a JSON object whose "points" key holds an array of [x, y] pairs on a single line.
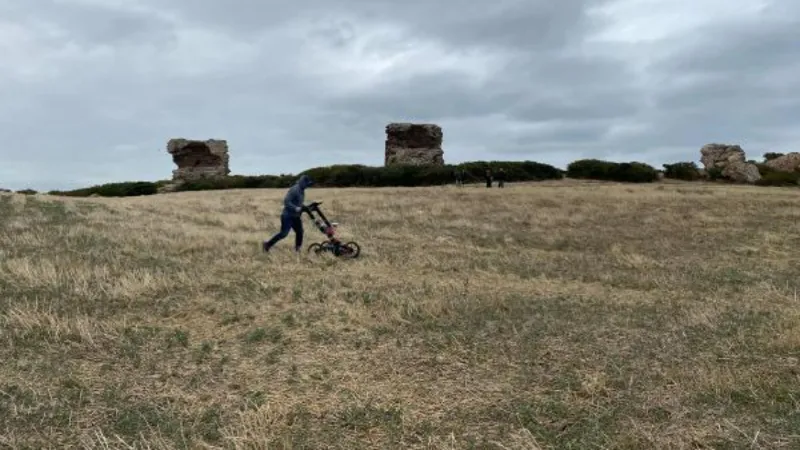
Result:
{"points": [[338, 176], [238, 182], [595, 169], [769, 156], [687, 171], [356, 175], [772, 177], [409, 176], [124, 189]]}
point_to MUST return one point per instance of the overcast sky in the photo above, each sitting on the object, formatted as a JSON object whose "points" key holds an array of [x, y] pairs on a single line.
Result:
{"points": [[91, 90]]}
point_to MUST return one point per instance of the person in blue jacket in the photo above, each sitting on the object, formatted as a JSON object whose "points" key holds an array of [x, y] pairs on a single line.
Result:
{"points": [[291, 216]]}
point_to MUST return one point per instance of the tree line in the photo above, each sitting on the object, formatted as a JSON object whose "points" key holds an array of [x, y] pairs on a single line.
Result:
{"points": [[356, 175]]}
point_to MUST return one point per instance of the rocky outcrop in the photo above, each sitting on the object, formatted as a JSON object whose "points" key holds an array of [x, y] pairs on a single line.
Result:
{"points": [[198, 159], [413, 144], [789, 162], [730, 161], [741, 172], [720, 155]]}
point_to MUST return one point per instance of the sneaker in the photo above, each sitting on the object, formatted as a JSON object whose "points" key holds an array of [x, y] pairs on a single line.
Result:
{"points": [[264, 247]]}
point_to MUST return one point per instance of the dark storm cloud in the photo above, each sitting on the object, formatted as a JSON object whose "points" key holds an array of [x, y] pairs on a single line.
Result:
{"points": [[92, 90], [733, 83], [443, 95], [756, 48], [751, 53], [525, 24], [91, 22], [528, 24]]}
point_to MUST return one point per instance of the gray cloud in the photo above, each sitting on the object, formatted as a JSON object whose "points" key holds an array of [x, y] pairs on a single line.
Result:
{"points": [[526, 24], [92, 90]]}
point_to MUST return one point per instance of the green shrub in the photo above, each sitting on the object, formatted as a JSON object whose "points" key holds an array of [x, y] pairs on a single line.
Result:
{"points": [[133, 189], [765, 170], [342, 175], [769, 156], [687, 171], [772, 177], [777, 178], [27, 192], [238, 182], [595, 169], [592, 169], [124, 189], [515, 171], [715, 174]]}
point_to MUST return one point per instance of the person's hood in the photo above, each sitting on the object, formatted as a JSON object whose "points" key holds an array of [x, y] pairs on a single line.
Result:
{"points": [[304, 182]]}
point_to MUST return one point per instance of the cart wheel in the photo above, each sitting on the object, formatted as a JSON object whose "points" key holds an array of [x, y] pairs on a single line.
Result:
{"points": [[350, 250], [316, 248]]}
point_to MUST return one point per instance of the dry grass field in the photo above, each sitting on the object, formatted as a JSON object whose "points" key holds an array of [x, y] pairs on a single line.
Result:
{"points": [[554, 315]]}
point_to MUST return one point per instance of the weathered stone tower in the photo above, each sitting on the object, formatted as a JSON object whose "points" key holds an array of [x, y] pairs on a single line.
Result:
{"points": [[413, 144], [198, 159]]}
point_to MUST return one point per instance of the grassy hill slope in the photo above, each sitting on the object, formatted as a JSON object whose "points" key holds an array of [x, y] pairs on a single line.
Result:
{"points": [[554, 315]]}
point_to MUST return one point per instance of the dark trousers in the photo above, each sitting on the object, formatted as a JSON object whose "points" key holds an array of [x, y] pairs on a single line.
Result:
{"points": [[288, 223]]}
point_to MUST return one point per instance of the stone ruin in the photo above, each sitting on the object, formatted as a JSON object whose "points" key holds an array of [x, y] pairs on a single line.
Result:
{"points": [[198, 159], [789, 162], [730, 159], [413, 144]]}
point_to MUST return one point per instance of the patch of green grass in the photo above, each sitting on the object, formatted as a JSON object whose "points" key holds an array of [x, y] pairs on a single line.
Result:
{"points": [[322, 335], [364, 417], [558, 423], [6, 209], [202, 352], [289, 319], [179, 337], [253, 399], [134, 340], [771, 403], [22, 407], [135, 421], [210, 423], [262, 334], [55, 212]]}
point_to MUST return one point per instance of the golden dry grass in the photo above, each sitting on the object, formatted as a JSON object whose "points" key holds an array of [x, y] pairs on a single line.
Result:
{"points": [[552, 315]]}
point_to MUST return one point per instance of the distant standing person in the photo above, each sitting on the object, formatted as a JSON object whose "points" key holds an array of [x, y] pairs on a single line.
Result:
{"points": [[501, 178], [488, 178], [291, 217], [459, 177]]}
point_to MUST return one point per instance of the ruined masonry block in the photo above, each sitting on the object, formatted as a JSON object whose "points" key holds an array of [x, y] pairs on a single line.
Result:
{"points": [[199, 159], [413, 144]]}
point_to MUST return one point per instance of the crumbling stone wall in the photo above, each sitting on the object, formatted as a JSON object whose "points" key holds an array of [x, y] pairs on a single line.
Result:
{"points": [[199, 159], [413, 144]]}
